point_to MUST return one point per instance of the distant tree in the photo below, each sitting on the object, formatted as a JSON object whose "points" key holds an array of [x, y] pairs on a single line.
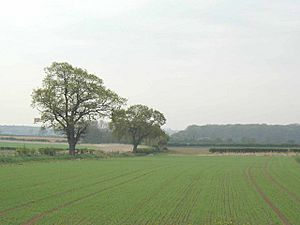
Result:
{"points": [[229, 141], [160, 142], [137, 123], [98, 132], [290, 142], [70, 98], [43, 131]]}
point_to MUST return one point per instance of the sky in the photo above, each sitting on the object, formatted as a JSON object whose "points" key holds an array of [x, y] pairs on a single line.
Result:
{"points": [[197, 61]]}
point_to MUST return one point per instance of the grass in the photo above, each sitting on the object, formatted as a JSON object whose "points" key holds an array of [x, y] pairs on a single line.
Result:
{"points": [[162, 189]]}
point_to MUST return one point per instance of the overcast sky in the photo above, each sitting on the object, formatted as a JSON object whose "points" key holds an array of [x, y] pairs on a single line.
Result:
{"points": [[197, 61]]}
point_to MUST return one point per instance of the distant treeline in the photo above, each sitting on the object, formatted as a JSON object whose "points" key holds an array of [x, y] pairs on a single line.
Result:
{"points": [[27, 131], [261, 135], [24, 139], [252, 135], [98, 132]]}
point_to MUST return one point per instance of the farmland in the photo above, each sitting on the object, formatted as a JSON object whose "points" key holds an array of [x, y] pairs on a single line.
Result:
{"points": [[162, 189]]}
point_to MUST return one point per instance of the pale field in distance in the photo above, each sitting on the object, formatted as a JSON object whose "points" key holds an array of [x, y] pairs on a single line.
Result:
{"points": [[189, 150]]}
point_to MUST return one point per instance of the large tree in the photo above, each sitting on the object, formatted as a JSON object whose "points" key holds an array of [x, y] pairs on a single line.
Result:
{"points": [[70, 98], [137, 123]]}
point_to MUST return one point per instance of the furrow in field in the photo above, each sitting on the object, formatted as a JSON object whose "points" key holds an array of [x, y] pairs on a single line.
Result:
{"points": [[256, 215], [219, 205], [293, 172], [179, 207], [276, 210], [169, 196], [191, 196], [22, 205], [140, 205], [293, 195], [38, 217], [194, 195], [211, 182], [226, 196], [181, 212], [163, 216], [58, 194]]}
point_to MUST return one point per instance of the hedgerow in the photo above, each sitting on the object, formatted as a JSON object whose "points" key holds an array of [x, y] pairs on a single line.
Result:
{"points": [[252, 150]]}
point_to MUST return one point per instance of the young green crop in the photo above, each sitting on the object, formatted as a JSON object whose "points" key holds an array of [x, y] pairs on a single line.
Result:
{"points": [[163, 189]]}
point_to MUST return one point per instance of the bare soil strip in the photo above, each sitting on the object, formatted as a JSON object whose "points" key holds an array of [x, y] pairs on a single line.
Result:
{"points": [[38, 217], [277, 183], [281, 216]]}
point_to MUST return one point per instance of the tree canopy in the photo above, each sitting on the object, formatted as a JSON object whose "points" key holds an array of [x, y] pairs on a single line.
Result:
{"points": [[137, 123], [238, 134], [70, 98]]}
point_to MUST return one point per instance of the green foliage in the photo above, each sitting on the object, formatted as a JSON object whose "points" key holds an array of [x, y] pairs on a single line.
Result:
{"points": [[70, 98], [26, 151], [14, 145], [99, 133], [50, 151], [89, 154], [137, 123], [8, 148], [86, 151], [249, 134], [41, 151], [35, 157], [159, 142], [7, 159], [146, 150]]}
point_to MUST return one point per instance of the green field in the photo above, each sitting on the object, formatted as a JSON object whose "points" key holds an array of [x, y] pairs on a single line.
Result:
{"points": [[161, 189]]}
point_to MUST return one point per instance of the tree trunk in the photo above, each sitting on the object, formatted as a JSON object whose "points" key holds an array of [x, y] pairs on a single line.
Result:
{"points": [[71, 140], [72, 146], [135, 148], [72, 143]]}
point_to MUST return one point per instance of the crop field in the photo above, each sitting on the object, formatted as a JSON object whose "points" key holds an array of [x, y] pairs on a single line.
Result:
{"points": [[189, 150], [162, 189]]}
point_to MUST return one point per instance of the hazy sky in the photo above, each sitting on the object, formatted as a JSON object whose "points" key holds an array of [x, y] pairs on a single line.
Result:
{"points": [[199, 62]]}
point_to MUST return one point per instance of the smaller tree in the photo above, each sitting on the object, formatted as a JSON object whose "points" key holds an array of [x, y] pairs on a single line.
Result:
{"points": [[160, 141], [137, 123]]}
